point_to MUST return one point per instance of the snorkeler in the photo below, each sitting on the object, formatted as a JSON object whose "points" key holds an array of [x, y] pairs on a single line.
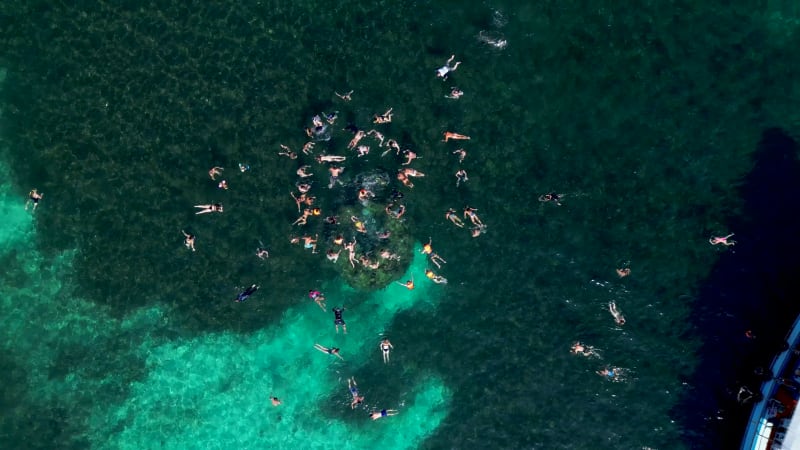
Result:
{"points": [[443, 71], [188, 240], [375, 415], [385, 347], [331, 351], [618, 317], [215, 207], [353, 388], [33, 197], [244, 295], [338, 320]]}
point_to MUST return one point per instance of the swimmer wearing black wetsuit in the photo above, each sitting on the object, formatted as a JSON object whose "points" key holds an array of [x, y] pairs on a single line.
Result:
{"points": [[246, 293], [337, 319]]}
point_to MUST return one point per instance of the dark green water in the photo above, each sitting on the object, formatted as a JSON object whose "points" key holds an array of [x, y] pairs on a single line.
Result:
{"points": [[116, 336]]}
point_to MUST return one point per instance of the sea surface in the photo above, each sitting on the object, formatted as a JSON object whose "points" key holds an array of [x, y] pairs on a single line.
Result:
{"points": [[114, 335]]}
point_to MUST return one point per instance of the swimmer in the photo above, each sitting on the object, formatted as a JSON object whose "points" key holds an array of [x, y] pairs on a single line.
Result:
{"points": [[393, 145], [332, 220], [318, 298], [337, 319], [362, 150], [610, 373], [455, 93], [470, 212], [351, 248], [580, 349], [302, 172], [33, 197], [303, 187], [477, 231], [436, 259], [618, 317], [375, 415], [223, 185], [188, 240], [365, 194], [353, 388], [214, 171], [383, 234], [551, 197], [333, 256], [385, 347], [401, 209], [287, 152], [395, 194], [303, 218], [623, 272], [455, 136], [412, 172], [452, 217], [716, 240], [443, 71], [404, 179], [309, 242], [308, 148], [378, 135], [244, 167], [331, 351], [438, 279], [356, 139], [244, 295], [215, 207], [331, 118], [409, 284], [275, 401], [360, 227], [386, 254], [410, 156], [461, 177], [368, 263], [335, 171], [329, 158], [301, 199], [383, 118], [346, 96], [461, 153], [262, 253]]}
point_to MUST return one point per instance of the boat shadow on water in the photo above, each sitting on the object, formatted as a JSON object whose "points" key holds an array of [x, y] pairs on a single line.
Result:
{"points": [[745, 308]]}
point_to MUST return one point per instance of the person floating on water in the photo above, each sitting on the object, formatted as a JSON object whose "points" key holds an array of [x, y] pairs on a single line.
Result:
{"points": [[214, 207], [375, 415], [331, 351], [438, 279], [453, 217], [386, 347], [444, 71], [318, 298], [353, 388], [623, 272], [383, 118], [214, 171], [456, 136], [346, 96], [338, 320], [618, 317], [716, 240], [244, 295], [33, 197]]}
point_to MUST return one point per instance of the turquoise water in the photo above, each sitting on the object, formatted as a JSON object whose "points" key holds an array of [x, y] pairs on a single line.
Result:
{"points": [[116, 336]]}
